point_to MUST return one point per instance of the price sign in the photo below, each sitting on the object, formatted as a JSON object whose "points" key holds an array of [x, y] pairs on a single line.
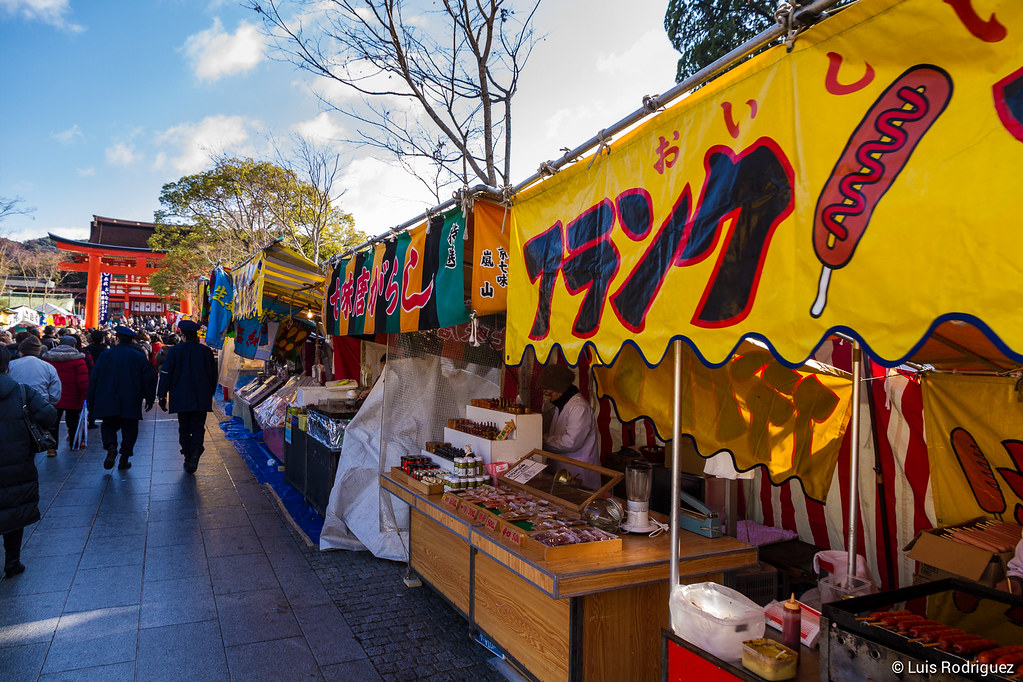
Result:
{"points": [[511, 534]]}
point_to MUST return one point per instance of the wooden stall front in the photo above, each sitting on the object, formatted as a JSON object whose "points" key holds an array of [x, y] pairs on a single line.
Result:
{"points": [[582, 618]]}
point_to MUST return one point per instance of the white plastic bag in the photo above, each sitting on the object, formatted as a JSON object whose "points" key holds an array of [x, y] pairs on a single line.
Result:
{"points": [[715, 618]]}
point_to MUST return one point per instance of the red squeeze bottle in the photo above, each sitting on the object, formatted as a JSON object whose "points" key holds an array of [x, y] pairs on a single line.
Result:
{"points": [[791, 622]]}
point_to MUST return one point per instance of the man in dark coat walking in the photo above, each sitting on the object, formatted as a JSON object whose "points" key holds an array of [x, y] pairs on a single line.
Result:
{"points": [[120, 381], [189, 375]]}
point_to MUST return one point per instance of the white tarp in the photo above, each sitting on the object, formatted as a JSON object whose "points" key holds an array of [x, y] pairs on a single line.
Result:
{"points": [[418, 396]]}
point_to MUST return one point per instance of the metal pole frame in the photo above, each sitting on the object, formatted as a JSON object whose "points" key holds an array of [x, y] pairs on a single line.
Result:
{"points": [[854, 461]]}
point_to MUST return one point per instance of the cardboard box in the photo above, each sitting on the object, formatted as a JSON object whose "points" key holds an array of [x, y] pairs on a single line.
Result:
{"points": [[942, 557]]}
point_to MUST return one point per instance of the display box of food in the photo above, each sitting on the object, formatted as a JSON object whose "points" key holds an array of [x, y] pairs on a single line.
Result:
{"points": [[957, 551], [579, 541], [567, 482], [520, 518], [423, 488]]}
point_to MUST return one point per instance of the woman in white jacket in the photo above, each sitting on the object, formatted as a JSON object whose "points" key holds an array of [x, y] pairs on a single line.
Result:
{"points": [[573, 430]]}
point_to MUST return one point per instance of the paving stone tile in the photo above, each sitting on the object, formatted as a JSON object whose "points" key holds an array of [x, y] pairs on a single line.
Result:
{"points": [[302, 586], [101, 588], [56, 542], [115, 672], [177, 601], [175, 561], [217, 497], [28, 619], [129, 482], [42, 574], [328, 635], [223, 517], [361, 670], [256, 616], [185, 490], [277, 659], [69, 511], [119, 524], [174, 532], [189, 651], [165, 510], [269, 525], [231, 540], [112, 550], [78, 497], [22, 663], [52, 523], [241, 573], [122, 501], [93, 638]]}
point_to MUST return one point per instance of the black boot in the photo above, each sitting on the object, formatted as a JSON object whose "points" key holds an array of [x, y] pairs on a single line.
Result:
{"points": [[13, 568], [108, 463], [192, 463], [124, 463]]}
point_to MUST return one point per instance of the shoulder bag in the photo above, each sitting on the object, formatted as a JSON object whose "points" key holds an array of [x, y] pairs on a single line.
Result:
{"points": [[41, 438]]}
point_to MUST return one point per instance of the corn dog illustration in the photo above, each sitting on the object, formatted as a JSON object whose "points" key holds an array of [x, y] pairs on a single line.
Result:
{"points": [[873, 157], [978, 471]]}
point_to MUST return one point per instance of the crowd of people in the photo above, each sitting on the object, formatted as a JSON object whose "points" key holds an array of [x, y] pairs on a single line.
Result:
{"points": [[113, 374]]}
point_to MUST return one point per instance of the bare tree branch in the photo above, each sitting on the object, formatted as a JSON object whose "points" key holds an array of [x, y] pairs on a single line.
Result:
{"points": [[437, 85]]}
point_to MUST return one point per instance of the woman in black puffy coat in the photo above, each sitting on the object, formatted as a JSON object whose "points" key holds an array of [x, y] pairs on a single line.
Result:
{"points": [[19, 480]]}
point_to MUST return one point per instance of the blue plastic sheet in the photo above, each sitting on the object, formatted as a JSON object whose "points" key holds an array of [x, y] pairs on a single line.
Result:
{"points": [[264, 466]]}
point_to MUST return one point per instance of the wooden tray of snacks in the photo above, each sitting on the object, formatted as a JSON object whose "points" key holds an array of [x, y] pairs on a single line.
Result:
{"points": [[592, 548], [423, 488]]}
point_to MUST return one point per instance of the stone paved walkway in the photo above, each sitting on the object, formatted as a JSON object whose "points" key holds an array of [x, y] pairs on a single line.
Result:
{"points": [[152, 574]]}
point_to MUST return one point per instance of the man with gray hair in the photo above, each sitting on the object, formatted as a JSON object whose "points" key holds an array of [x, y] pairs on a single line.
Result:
{"points": [[32, 371]]}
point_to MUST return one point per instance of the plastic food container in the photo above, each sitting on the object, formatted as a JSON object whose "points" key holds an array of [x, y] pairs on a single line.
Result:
{"points": [[770, 659], [838, 587], [715, 618]]}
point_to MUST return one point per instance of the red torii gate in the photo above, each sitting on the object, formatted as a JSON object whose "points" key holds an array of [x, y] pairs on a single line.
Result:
{"points": [[130, 268]]}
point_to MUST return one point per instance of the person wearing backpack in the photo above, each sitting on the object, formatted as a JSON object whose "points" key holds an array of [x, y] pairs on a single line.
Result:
{"points": [[19, 479]]}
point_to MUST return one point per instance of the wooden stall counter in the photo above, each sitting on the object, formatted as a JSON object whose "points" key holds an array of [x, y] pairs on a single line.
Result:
{"points": [[595, 617]]}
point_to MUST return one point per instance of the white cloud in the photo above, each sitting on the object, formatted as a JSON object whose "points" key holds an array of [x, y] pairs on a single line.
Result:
{"points": [[653, 47], [196, 143], [382, 195], [52, 12], [322, 128], [214, 53], [121, 154], [86, 172], [67, 136]]}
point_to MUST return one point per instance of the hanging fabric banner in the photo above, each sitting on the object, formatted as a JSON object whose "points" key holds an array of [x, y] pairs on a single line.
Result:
{"points": [[221, 291], [413, 282], [248, 288], [873, 169], [104, 297], [975, 443], [791, 422], [490, 233]]}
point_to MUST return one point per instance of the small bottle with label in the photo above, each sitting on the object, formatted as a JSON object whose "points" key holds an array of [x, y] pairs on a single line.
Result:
{"points": [[791, 622]]}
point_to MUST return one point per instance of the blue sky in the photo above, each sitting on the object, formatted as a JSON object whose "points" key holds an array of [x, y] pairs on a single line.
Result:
{"points": [[104, 102]]}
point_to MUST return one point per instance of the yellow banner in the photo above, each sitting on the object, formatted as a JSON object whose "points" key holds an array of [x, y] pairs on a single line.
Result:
{"points": [[744, 209], [975, 444], [491, 227], [764, 414]]}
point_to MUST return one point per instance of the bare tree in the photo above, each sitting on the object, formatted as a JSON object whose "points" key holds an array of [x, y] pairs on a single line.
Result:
{"points": [[436, 86], [9, 207], [313, 207]]}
